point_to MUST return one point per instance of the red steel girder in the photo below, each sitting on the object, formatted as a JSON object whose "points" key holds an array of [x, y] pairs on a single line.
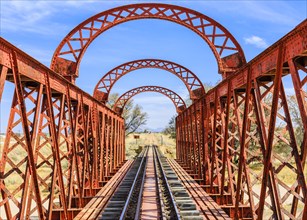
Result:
{"points": [[246, 118], [105, 84], [226, 49], [65, 132], [124, 98], [63, 125]]}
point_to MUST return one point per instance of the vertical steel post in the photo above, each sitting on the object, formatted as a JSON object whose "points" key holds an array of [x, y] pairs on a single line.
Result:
{"points": [[25, 126], [268, 154]]}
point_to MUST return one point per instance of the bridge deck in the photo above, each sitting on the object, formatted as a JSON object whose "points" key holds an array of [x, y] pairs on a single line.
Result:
{"points": [[150, 207], [205, 203], [95, 205]]}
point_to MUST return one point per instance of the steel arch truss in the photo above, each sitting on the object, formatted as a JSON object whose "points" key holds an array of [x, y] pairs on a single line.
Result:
{"points": [[226, 49], [105, 84], [245, 122], [123, 99], [61, 145]]}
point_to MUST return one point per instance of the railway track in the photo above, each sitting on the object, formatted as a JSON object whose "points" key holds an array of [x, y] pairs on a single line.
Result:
{"points": [[177, 202], [159, 194], [117, 206]]}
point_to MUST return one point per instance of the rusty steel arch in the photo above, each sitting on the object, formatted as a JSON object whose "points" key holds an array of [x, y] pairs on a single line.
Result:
{"points": [[192, 82], [124, 98], [224, 46]]}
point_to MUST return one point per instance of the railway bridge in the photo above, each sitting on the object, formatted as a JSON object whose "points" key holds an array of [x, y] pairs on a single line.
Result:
{"points": [[79, 142]]}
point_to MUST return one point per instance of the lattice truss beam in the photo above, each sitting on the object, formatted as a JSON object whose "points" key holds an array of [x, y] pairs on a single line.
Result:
{"points": [[105, 84], [250, 139], [226, 49], [60, 146], [124, 98]]}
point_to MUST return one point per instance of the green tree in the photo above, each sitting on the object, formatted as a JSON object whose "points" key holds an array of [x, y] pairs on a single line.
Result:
{"points": [[171, 128], [133, 114], [296, 118]]}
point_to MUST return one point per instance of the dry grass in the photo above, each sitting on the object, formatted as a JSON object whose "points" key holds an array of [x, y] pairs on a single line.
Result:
{"points": [[133, 147], [166, 144]]}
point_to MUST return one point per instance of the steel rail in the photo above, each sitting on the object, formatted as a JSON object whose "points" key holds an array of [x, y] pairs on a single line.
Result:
{"points": [[138, 207], [159, 192], [122, 216], [168, 188]]}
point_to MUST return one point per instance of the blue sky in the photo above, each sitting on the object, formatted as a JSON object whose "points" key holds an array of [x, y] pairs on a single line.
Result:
{"points": [[37, 27]]}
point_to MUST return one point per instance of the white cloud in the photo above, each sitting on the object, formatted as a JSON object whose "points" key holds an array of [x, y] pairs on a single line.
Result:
{"points": [[269, 11], [30, 12], [77, 3], [273, 12], [158, 107], [36, 16], [159, 114], [29, 17], [256, 41]]}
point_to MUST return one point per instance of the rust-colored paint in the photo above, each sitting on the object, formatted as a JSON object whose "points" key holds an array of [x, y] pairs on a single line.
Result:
{"points": [[243, 113], [61, 136], [124, 98], [105, 84], [79, 142], [78, 40]]}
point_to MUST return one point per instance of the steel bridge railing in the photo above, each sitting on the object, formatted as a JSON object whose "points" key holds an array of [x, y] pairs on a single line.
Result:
{"points": [[240, 139], [61, 145]]}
